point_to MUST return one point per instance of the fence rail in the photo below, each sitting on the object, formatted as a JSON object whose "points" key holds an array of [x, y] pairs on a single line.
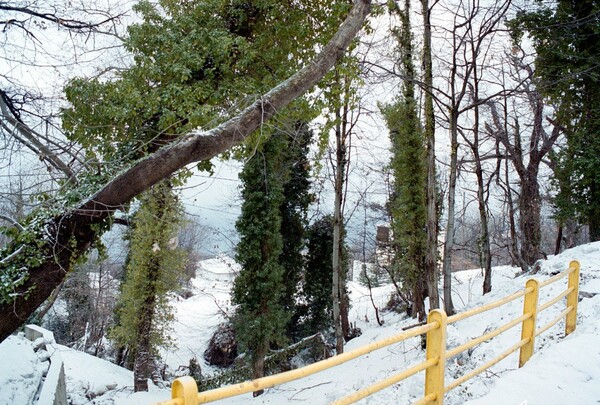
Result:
{"points": [[185, 392]]}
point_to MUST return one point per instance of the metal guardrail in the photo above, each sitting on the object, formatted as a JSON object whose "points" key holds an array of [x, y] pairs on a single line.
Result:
{"points": [[185, 392]]}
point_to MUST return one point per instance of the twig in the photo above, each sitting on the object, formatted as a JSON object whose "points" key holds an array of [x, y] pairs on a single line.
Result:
{"points": [[309, 388]]}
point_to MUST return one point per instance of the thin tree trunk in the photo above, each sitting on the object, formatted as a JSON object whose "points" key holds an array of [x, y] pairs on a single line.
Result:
{"points": [[559, 237], [431, 254], [364, 269], [483, 217], [449, 242], [339, 336], [514, 247], [50, 302], [338, 278]]}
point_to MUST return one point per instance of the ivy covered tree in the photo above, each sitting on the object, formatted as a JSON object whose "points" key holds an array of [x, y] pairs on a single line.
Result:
{"points": [[296, 200], [260, 320], [408, 204], [317, 278], [154, 268], [566, 38]]}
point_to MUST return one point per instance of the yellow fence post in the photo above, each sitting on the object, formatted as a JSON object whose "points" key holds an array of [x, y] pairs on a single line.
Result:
{"points": [[528, 329], [436, 349], [572, 298], [185, 388]]}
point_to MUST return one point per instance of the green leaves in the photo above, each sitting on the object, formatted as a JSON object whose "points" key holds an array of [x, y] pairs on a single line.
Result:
{"points": [[153, 270]]}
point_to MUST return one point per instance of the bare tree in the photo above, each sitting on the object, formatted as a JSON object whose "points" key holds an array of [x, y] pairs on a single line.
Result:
{"points": [[35, 36], [345, 120], [472, 29], [526, 161]]}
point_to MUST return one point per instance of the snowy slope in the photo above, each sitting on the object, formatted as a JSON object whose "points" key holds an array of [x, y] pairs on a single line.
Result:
{"points": [[561, 371], [198, 316], [20, 371]]}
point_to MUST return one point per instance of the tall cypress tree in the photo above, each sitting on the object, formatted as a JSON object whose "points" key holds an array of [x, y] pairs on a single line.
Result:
{"points": [[297, 198], [408, 164], [260, 320]]}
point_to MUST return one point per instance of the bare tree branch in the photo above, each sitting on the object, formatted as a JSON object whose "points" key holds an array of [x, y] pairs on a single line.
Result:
{"points": [[29, 137]]}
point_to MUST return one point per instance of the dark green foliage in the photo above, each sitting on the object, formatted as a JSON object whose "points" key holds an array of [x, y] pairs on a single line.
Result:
{"points": [[297, 198], [273, 237], [566, 37], [318, 310], [318, 276], [193, 62], [260, 318], [408, 205]]}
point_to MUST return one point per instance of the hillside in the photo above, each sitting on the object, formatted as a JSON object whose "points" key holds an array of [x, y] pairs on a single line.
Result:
{"points": [[561, 370]]}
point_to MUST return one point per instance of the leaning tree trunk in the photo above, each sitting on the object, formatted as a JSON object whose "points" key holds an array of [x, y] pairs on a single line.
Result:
{"points": [[72, 232]]}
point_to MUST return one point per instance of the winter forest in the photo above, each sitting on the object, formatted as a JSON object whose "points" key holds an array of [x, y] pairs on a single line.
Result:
{"points": [[302, 144]]}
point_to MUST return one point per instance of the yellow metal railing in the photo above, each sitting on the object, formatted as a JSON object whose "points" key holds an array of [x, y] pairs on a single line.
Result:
{"points": [[185, 392]]}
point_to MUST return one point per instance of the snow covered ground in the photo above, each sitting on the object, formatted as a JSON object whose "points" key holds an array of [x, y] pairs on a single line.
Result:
{"points": [[561, 371]]}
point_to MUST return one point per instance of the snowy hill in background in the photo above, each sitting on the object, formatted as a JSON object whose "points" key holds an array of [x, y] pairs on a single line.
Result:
{"points": [[561, 371], [198, 316]]}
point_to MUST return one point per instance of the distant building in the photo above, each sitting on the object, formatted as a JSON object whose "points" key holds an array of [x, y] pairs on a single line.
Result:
{"points": [[383, 235], [383, 240]]}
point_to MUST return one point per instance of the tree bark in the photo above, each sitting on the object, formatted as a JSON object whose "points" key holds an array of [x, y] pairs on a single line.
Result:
{"points": [[73, 232], [483, 217], [338, 278], [449, 242], [258, 366], [143, 352], [530, 209]]}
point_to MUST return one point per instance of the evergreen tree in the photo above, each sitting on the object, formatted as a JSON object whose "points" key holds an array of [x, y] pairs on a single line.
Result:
{"points": [[260, 320], [318, 280], [153, 270], [297, 198], [318, 312], [566, 37], [408, 163]]}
